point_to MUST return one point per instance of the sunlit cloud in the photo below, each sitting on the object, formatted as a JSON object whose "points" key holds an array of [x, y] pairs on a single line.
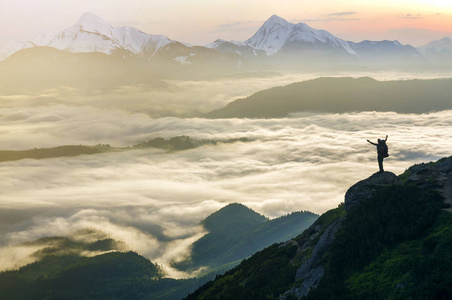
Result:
{"points": [[153, 201]]}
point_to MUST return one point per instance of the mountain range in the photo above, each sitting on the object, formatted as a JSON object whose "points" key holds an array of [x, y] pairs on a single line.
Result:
{"points": [[277, 42], [284, 42]]}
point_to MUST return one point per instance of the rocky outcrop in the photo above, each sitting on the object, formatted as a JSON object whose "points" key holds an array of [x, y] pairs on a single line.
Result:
{"points": [[437, 175], [431, 173], [311, 271], [365, 188]]}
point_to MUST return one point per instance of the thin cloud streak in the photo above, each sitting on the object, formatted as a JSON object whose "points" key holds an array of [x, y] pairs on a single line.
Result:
{"points": [[344, 13]]}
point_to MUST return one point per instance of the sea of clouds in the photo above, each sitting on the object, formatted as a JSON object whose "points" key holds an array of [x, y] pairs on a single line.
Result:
{"points": [[152, 200]]}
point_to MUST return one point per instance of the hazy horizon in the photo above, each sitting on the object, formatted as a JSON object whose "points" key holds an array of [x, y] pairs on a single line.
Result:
{"points": [[415, 22]]}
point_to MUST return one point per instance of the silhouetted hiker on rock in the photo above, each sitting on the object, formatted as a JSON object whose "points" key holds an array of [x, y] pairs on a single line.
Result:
{"points": [[382, 150]]}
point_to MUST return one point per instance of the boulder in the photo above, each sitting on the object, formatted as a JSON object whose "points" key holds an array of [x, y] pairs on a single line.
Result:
{"points": [[365, 188]]}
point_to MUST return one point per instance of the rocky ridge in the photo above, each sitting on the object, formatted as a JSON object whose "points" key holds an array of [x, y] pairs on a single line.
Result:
{"points": [[436, 175], [311, 271]]}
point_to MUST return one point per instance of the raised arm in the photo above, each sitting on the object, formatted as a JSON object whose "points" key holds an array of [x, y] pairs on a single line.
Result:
{"points": [[372, 143], [386, 138]]}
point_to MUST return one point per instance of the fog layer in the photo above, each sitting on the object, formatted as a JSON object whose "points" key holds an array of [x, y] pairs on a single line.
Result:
{"points": [[153, 200]]}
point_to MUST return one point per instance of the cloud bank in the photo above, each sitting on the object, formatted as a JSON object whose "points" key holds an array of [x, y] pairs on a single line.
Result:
{"points": [[153, 201]]}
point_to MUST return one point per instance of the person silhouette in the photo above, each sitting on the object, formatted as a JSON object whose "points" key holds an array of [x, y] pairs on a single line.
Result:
{"points": [[382, 151]]}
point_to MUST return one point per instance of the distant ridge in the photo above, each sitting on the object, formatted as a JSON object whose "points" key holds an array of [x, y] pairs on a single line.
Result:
{"points": [[438, 52], [442, 45], [341, 95]]}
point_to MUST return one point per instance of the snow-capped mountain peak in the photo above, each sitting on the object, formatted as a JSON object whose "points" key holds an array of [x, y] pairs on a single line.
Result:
{"points": [[93, 23], [274, 19], [92, 34], [219, 42], [441, 45], [276, 32], [272, 35]]}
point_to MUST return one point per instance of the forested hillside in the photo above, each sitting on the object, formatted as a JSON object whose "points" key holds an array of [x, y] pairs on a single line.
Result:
{"points": [[394, 244]]}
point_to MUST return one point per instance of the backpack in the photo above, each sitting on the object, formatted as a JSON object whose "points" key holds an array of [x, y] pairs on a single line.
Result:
{"points": [[382, 149]]}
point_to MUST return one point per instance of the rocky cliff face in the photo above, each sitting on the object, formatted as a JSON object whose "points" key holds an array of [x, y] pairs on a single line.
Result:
{"points": [[311, 270]]}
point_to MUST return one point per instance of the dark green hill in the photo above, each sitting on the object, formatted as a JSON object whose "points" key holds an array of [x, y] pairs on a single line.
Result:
{"points": [[340, 95], [62, 273], [236, 232], [75, 277], [233, 217], [394, 243], [62, 270]]}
